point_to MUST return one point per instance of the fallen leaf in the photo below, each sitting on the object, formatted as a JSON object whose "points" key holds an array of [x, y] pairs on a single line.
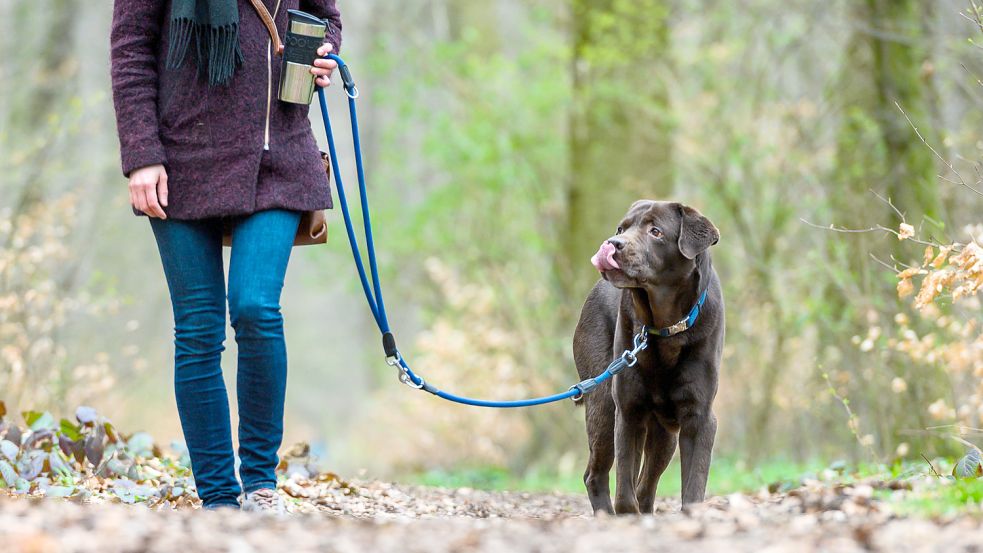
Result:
{"points": [[970, 466]]}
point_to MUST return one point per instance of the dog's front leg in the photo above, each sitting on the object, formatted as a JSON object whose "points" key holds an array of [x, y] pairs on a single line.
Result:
{"points": [[629, 439], [697, 429]]}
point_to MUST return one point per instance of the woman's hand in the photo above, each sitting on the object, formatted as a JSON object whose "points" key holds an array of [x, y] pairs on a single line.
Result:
{"points": [[322, 67], [148, 190]]}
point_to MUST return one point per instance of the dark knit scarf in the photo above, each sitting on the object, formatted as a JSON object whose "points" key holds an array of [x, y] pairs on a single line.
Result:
{"points": [[213, 25]]}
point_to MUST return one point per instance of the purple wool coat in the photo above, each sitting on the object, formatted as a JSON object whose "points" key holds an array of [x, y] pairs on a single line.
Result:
{"points": [[228, 149]]}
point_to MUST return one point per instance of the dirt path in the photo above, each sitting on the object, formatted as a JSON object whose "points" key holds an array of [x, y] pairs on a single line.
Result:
{"points": [[376, 516]]}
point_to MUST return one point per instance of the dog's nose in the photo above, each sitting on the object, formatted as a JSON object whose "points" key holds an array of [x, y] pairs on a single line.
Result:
{"points": [[618, 243]]}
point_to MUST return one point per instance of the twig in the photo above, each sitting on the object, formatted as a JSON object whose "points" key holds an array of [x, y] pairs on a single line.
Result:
{"points": [[854, 421], [977, 18], [884, 263], [944, 161], [875, 228], [888, 202], [961, 427], [966, 443], [974, 77], [931, 466], [834, 228], [902, 263]]}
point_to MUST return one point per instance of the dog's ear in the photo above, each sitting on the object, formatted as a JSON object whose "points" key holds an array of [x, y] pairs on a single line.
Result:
{"points": [[696, 232]]}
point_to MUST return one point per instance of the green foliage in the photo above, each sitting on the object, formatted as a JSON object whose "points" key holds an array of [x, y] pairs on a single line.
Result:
{"points": [[88, 457], [728, 475], [489, 127], [943, 498]]}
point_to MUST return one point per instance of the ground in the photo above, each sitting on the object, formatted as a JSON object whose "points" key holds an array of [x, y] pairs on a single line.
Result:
{"points": [[333, 515]]}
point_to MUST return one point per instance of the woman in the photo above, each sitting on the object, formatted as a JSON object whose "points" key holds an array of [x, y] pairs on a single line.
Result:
{"points": [[206, 145]]}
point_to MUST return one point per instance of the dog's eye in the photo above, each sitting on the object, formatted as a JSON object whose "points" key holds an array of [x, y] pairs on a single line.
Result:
{"points": [[620, 231], [656, 232]]}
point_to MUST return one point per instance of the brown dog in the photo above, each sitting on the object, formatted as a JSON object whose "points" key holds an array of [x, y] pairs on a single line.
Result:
{"points": [[654, 269]]}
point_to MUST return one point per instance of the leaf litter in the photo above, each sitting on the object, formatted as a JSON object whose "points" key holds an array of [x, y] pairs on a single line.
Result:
{"points": [[122, 492]]}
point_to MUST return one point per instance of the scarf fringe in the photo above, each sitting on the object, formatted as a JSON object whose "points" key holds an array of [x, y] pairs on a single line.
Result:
{"points": [[216, 48]]}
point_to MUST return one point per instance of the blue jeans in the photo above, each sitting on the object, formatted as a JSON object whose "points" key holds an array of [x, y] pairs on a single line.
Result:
{"points": [[191, 253]]}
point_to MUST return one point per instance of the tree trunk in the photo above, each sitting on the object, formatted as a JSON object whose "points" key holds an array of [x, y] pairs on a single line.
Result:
{"points": [[620, 129], [42, 78], [877, 151]]}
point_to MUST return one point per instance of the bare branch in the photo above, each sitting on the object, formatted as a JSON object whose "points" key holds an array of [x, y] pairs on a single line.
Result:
{"points": [[884, 263], [902, 263], [977, 79], [834, 228], [875, 228], [934, 151], [888, 202]]}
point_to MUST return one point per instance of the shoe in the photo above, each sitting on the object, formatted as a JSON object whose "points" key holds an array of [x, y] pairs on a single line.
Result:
{"points": [[264, 500]]}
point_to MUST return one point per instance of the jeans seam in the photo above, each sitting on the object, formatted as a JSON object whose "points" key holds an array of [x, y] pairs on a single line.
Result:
{"points": [[259, 486]]}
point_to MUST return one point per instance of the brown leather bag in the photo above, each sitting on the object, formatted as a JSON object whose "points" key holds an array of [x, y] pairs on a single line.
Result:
{"points": [[313, 227]]}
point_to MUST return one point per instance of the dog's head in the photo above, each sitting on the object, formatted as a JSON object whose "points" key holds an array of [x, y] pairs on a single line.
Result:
{"points": [[656, 244]]}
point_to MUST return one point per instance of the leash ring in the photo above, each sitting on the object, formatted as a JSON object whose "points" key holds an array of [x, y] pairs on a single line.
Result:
{"points": [[578, 396], [405, 379]]}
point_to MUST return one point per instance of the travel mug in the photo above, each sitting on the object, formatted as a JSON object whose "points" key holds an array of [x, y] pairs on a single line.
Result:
{"points": [[305, 34]]}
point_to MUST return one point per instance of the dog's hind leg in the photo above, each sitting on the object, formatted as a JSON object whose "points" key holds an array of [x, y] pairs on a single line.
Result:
{"points": [[600, 438], [660, 444]]}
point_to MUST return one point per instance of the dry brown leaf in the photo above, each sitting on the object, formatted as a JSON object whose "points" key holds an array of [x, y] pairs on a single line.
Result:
{"points": [[905, 288], [905, 231], [942, 257], [908, 273]]}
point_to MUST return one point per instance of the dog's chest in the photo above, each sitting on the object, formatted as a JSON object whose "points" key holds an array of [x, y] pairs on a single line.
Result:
{"points": [[659, 368], [664, 354]]}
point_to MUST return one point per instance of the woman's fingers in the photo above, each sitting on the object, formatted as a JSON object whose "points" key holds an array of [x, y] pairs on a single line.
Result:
{"points": [[145, 185], [322, 64], [325, 49], [323, 68], [140, 200], [133, 199], [162, 188], [153, 205]]}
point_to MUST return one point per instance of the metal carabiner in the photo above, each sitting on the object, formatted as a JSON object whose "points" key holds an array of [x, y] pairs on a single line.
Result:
{"points": [[403, 375], [640, 342]]}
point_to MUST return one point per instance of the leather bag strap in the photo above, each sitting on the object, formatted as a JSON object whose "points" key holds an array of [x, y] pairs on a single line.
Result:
{"points": [[264, 15]]}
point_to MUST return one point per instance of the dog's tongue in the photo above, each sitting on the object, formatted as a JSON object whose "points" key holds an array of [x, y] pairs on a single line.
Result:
{"points": [[603, 260]]}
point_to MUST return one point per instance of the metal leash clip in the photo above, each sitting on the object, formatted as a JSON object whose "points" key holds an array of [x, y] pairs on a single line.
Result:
{"points": [[630, 357], [403, 375]]}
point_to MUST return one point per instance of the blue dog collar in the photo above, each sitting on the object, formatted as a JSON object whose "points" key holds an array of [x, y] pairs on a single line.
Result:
{"points": [[682, 325]]}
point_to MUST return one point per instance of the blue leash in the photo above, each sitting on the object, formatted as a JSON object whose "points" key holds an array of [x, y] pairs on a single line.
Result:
{"points": [[373, 292]]}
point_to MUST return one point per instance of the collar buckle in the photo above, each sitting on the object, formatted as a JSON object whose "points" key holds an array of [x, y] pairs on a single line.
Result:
{"points": [[678, 327]]}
